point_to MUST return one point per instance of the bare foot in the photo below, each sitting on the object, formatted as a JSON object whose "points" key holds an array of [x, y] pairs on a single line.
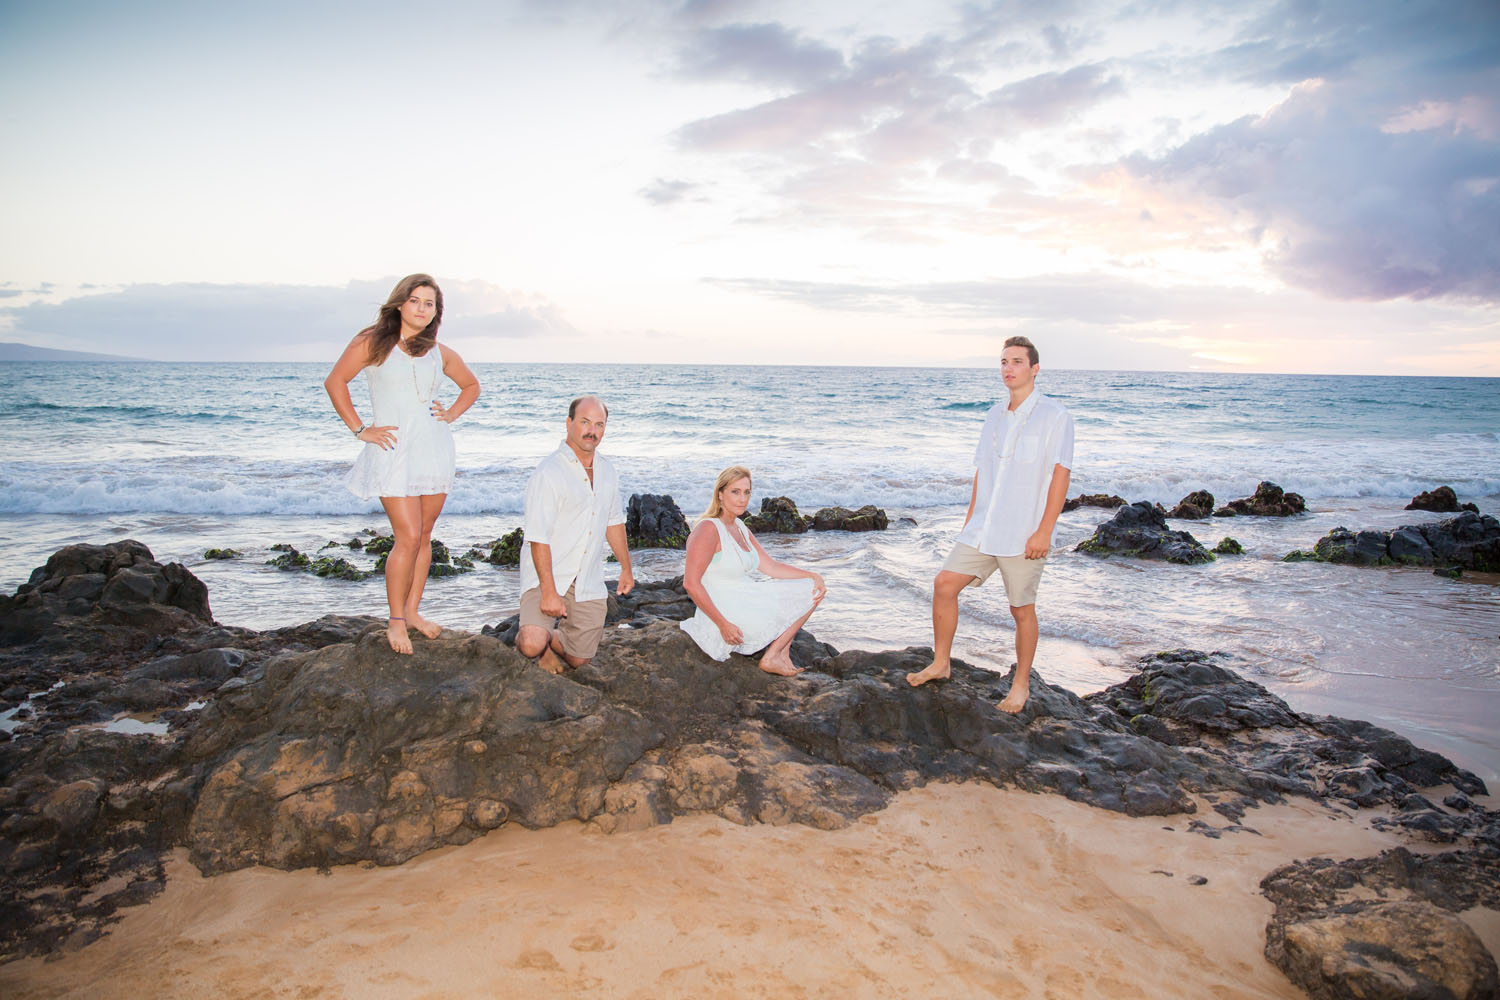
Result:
{"points": [[430, 629], [932, 672], [1016, 699], [781, 666], [549, 662], [395, 634]]}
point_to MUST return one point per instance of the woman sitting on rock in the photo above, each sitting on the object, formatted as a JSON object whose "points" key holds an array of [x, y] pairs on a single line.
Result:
{"points": [[408, 459], [737, 612]]}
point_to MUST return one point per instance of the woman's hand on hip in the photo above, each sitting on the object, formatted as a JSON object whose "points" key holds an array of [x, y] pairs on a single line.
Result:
{"points": [[442, 413], [819, 587], [382, 437]]}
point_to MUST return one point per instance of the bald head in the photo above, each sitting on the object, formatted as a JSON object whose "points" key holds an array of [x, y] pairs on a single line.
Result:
{"points": [[573, 406]]}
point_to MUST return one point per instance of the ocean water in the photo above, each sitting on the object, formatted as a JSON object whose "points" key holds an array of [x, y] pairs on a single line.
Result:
{"points": [[188, 456]]}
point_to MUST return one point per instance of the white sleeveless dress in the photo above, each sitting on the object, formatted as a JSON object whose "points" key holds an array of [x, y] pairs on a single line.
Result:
{"points": [[763, 608], [422, 463]]}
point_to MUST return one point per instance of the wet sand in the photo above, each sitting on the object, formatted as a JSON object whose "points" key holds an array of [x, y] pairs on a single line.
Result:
{"points": [[955, 890]]}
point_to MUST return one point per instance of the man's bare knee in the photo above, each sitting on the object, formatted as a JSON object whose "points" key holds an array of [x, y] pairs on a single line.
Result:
{"points": [[1023, 614], [575, 661], [948, 584], [530, 641]]}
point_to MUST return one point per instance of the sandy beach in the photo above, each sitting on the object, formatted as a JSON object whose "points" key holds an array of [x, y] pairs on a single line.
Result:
{"points": [[954, 890]]}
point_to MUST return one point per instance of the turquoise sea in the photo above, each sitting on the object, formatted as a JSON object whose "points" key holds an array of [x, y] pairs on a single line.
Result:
{"points": [[189, 456]]}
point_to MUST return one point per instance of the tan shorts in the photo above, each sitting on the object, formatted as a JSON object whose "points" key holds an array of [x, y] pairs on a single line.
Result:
{"points": [[579, 630], [1021, 575]]}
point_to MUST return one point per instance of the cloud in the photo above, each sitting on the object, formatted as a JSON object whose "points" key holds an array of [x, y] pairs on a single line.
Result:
{"points": [[1105, 321], [1046, 99], [1098, 300], [664, 192], [761, 54], [883, 81], [1370, 169], [216, 322], [1346, 206]]}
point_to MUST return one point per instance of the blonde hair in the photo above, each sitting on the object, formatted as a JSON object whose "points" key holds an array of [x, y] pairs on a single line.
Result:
{"points": [[733, 474]]}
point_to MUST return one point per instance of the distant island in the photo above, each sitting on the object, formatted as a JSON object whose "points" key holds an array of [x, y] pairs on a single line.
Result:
{"points": [[25, 352]]}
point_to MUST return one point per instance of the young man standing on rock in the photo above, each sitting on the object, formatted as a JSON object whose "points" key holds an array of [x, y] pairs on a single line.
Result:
{"points": [[1022, 471], [572, 509]]}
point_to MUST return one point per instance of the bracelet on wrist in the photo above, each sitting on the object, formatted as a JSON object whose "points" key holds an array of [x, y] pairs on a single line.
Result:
{"points": [[362, 429]]}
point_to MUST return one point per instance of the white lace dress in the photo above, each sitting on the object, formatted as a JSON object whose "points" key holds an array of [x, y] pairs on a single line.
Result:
{"points": [[422, 463], [763, 608]]}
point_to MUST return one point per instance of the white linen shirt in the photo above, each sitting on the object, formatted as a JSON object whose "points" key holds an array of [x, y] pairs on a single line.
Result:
{"points": [[567, 512], [1014, 460]]}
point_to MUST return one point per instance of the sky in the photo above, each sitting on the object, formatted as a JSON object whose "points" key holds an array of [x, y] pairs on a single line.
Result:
{"points": [[1273, 186]]}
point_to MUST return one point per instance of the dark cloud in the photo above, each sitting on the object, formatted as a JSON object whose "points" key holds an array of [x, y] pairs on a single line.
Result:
{"points": [[1292, 40], [1347, 203], [210, 322]]}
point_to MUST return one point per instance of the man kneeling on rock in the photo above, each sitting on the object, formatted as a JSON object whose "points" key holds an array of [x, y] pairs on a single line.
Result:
{"points": [[1022, 470], [572, 509]]}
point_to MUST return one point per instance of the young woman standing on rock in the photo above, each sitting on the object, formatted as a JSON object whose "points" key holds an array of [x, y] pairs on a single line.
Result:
{"points": [[408, 459], [736, 612]]}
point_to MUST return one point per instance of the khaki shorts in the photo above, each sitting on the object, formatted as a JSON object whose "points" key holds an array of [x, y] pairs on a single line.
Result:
{"points": [[579, 630], [1021, 575]]}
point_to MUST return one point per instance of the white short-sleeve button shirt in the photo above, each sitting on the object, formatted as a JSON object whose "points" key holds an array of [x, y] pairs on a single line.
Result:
{"points": [[570, 514], [1014, 461]]}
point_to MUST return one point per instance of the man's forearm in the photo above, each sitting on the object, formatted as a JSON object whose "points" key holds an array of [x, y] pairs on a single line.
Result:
{"points": [[973, 498], [1057, 495], [618, 544], [541, 558]]}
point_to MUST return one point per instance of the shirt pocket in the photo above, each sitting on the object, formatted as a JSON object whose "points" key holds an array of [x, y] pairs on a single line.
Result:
{"points": [[1029, 449]]}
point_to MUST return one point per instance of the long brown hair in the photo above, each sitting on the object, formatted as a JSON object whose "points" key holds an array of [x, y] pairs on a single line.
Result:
{"points": [[733, 474], [385, 332]]}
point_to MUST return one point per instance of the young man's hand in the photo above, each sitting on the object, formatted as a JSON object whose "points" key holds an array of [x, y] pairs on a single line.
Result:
{"points": [[1039, 544]]}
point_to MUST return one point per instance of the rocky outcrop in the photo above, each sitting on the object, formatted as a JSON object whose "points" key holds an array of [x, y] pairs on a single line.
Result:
{"points": [[778, 514], [118, 592], [1105, 500], [1469, 541], [867, 518], [654, 521], [1140, 530], [1184, 698], [1194, 507], [503, 551], [1384, 927], [335, 567], [1441, 500], [318, 745], [442, 563], [1269, 500], [1228, 547], [85, 813]]}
